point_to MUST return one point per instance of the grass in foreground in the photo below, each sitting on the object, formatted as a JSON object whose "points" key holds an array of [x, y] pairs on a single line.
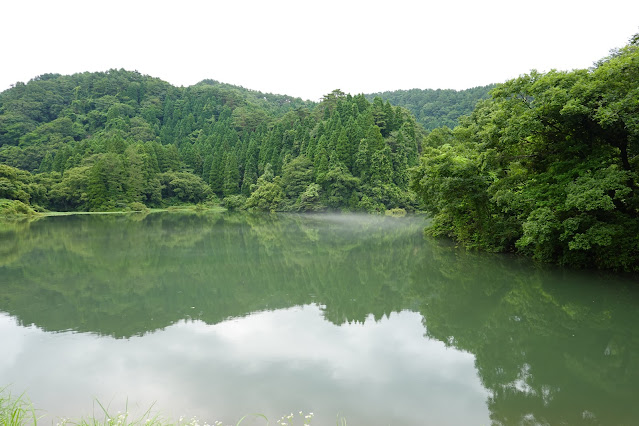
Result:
{"points": [[18, 411]]}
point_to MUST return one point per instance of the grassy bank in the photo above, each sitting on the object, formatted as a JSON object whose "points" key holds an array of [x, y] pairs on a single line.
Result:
{"points": [[17, 410]]}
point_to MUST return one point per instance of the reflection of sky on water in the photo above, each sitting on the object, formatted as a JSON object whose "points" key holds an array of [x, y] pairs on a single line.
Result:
{"points": [[273, 363]]}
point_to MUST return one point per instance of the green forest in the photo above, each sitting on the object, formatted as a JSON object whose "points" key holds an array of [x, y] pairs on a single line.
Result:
{"points": [[105, 141], [547, 167], [544, 165], [436, 108]]}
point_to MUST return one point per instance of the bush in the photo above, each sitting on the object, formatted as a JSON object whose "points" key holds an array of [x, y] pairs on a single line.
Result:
{"points": [[10, 208], [234, 202], [396, 212], [136, 206]]}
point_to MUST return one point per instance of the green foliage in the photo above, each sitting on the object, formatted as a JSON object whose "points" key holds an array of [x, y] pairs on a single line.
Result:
{"points": [[19, 411], [100, 141], [231, 175], [310, 200], [268, 194], [369, 205], [296, 176], [13, 184], [21, 186], [452, 189], [548, 167], [234, 202], [397, 212], [436, 108], [105, 186], [338, 185], [183, 187], [136, 206], [16, 411], [12, 208]]}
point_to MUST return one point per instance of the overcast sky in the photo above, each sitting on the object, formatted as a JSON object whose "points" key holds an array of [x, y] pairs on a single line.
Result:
{"points": [[308, 48]]}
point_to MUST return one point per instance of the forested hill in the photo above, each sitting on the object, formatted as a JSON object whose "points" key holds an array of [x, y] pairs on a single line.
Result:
{"points": [[103, 141], [547, 167], [436, 108]]}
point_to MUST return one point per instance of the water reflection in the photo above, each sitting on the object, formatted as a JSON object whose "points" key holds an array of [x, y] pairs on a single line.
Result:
{"points": [[321, 313], [113, 276], [269, 362], [553, 346]]}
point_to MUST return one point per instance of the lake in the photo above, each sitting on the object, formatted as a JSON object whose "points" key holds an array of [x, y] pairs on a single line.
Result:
{"points": [[350, 317]]}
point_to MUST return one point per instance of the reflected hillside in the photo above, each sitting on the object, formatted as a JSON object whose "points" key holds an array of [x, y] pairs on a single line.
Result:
{"points": [[552, 346], [119, 276]]}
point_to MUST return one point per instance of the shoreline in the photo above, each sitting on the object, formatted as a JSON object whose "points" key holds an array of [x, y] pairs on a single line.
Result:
{"points": [[189, 208]]}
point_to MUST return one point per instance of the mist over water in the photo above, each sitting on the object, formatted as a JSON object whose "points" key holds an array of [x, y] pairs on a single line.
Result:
{"points": [[218, 316]]}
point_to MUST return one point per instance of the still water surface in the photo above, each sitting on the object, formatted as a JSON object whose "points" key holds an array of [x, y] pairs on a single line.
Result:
{"points": [[220, 315]]}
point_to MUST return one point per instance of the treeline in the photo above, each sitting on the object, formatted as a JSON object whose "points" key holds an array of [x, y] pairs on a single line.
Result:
{"points": [[102, 141], [547, 167], [436, 108]]}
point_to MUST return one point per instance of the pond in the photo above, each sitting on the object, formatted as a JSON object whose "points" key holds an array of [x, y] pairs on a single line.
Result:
{"points": [[349, 317]]}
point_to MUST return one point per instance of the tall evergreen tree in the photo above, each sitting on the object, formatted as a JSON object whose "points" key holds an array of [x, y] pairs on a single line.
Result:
{"points": [[231, 175], [216, 176]]}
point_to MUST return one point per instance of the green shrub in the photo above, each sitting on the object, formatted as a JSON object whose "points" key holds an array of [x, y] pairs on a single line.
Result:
{"points": [[136, 206], [396, 212], [234, 202], [9, 208]]}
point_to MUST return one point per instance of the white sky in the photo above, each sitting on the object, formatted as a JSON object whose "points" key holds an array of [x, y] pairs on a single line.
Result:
{"points": [[308, 48]]}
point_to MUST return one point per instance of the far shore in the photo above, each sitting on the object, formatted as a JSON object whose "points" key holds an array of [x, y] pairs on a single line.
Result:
{"points": [[189, 208], [166, 209]]}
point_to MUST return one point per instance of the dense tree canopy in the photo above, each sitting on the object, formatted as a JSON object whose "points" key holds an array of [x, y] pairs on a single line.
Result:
{"points": [[436, 108], [101, 141], [547, 167]]}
